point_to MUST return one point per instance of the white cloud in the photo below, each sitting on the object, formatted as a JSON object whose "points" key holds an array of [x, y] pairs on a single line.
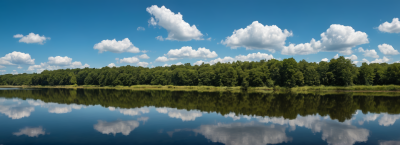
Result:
{"points": [[199, 62], [383, 60], [166, 65], [393, 27], [111, 65], [16, 58], [140, 28], [365, 60], [31, 132], [388, 49], [179, 63], [162, 59], [152, 21], [352, 57], [325, 59], [337, 38], [369, 53], [142, 64], [124, 127], [258, 36], [129, 60], [336, 56], [114, 46], [254, 57], [188, 52], [250, 57], [32, 38], [144, 56], [302, 49], [244, 134], [342, 38], [19, 67], [177, 28], [223, 60], [160, 38], [57, 62], [180, 114]]}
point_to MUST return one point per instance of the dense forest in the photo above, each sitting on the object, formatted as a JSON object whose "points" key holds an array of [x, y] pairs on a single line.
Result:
{"points": [[287, 73], [287, 105]]}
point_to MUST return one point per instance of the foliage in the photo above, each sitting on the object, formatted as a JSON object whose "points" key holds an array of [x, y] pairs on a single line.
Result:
{"points": [[285, 73]]}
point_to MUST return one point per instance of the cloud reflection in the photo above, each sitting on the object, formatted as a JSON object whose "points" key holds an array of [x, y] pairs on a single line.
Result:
{"points": [[15, 109], [180, 114], [124, 127], [384, 119], [55, 107], [131, 112], [244, 134], [31, 132]]}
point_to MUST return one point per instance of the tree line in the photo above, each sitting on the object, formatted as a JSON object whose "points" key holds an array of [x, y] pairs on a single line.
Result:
{"points": [[287, 105], [287, 73]]}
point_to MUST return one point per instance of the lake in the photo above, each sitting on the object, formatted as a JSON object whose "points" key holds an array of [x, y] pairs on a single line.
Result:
{"points": [[106, 116]]}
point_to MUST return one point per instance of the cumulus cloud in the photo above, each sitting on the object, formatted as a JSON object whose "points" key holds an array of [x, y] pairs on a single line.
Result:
{"points": [[244, 134], [188, 52], [115, 46], [142, 64], [57, 62], [162, 59], [258, 36], [325, 59], [32, 38], [199, 62], [124, 127], [352, 57], [337, 38], [180, 114], [19, 67], [303, 48], [369, 53], [31, 132], [140, 28], [111, 65], [179, 63], [336, 56], [388, 49], [249, 57], [129, 60], [393, 27], [383, 60], [144, 56], [177, 28], [16, 58], [365, 60]]}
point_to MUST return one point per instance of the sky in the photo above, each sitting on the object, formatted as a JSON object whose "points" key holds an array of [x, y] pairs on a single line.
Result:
{"points": [[40, 35]]}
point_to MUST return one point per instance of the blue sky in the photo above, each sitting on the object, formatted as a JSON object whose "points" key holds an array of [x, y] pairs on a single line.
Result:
{"points": [[64, 33]]}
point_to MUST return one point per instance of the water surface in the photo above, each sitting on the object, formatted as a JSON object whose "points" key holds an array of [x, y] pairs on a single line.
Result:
{"points": [[93, 116]]}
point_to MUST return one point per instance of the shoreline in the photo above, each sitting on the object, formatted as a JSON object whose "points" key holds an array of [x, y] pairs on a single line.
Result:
{"points": [[357, 88]]}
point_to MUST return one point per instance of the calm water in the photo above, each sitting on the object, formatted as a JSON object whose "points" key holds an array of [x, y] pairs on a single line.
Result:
{"points": [[62, 116]]}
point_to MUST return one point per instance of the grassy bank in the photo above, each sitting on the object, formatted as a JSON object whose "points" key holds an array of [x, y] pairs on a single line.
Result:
{"points": [[357, 88]]}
